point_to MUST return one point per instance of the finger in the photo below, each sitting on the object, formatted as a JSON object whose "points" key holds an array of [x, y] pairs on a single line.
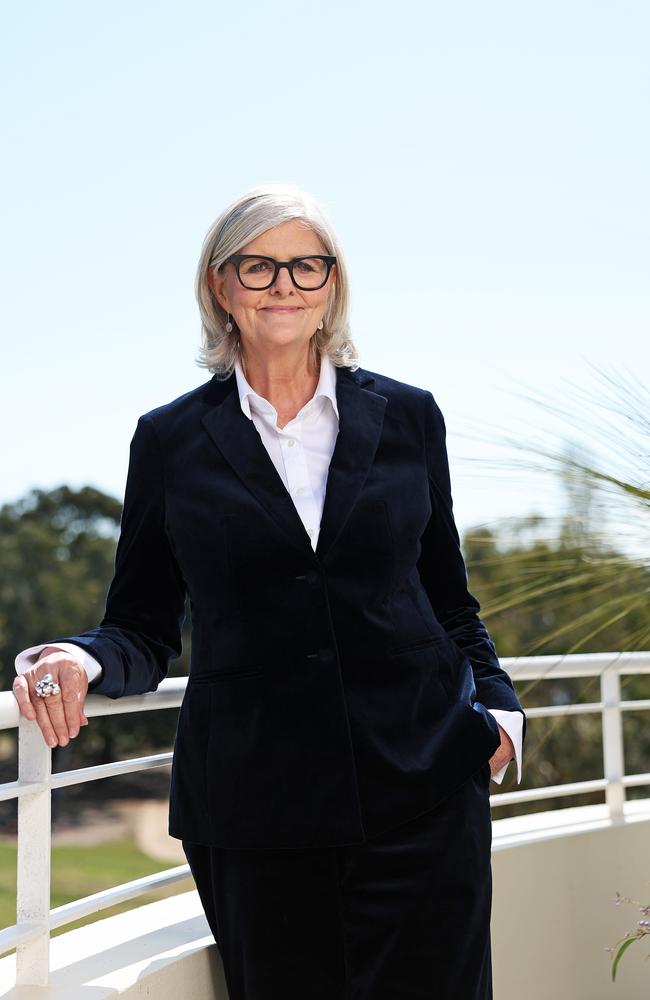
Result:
{"points": [[70, 694], [56, 712], [43, 719], [50, 714], [20, 689]]}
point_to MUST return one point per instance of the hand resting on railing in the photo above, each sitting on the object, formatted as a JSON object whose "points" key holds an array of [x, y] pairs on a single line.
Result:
{"points": [[60, 716]]}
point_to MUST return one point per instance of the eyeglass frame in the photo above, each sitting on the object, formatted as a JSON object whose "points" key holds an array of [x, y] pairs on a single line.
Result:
{"points": [[237, 258]]}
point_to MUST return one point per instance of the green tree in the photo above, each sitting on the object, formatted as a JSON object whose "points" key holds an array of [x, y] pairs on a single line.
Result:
{"points": [[56, 559]]}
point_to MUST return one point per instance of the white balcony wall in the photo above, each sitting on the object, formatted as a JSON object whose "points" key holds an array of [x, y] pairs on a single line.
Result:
{"points": [[554, 914]]}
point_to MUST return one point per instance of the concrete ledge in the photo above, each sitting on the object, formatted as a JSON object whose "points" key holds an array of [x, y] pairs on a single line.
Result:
{"points": [[163, 950], [573, 820]]}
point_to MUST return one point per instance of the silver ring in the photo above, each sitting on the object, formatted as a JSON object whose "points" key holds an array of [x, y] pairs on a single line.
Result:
{"points": [[46, 686]]}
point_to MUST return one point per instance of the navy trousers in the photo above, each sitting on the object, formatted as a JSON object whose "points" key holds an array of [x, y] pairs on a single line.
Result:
{"points": [[403, 916]]}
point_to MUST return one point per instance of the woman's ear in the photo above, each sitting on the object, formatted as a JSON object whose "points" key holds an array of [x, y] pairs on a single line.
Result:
{"points": [[331, 292], [216, 281]]}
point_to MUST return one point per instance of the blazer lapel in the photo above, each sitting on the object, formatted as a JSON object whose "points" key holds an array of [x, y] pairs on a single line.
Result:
{"points": [[361, 419], [240, 444]]}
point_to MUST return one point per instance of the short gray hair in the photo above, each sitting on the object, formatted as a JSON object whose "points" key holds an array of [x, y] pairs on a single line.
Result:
{"points": [[255, 212]]}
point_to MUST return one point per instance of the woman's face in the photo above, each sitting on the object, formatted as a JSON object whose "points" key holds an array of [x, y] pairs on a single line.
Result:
{"points": [[282, 315]]}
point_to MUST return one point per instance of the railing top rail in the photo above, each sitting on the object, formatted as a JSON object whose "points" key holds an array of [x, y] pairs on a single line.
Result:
{"points": [[170, 691], [169, 695], [576, 665]]}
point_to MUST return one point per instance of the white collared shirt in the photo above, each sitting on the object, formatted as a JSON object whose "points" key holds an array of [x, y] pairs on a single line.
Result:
{"points": [[301, 452]]}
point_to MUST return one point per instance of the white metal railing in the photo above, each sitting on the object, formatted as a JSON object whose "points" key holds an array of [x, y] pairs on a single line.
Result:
{"points": [[30, 935], [608, 667], [35, 920]]}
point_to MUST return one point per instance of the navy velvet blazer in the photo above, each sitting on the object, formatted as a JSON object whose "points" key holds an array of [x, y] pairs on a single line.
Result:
{"points": [[332, 694]]}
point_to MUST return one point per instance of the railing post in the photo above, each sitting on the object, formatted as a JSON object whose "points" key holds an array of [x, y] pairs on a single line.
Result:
{"points": [[613, 757], [33, 870]]}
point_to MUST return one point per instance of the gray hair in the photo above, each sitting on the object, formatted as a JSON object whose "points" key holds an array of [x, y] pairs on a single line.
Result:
{"points": [[255, 212]]}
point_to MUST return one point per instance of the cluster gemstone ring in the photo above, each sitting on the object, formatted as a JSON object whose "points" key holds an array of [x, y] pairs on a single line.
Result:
{"points": [[46, 686]]}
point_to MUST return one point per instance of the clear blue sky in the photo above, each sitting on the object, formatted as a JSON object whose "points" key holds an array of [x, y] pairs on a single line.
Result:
{"points": [[486, 167]]}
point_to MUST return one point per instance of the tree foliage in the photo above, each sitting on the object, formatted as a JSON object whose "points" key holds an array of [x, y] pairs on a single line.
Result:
{"points": [[56, 559], [580, 583]]}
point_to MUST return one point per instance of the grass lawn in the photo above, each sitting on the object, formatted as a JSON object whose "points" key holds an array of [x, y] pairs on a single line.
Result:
{"points": [[81, 870]]}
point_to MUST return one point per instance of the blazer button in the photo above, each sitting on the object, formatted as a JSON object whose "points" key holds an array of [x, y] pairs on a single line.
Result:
{"points": [[324, 655]]}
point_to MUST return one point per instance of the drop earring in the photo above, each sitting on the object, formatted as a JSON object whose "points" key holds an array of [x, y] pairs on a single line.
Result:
{"points": [[320, 325], [228, 325]]}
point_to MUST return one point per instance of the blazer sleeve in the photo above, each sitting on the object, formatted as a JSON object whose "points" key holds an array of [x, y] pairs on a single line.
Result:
{"points": [[141, 630], [444, 576]]}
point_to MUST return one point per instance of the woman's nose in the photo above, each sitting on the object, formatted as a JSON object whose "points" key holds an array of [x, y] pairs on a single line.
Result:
{"points": [[283, 283]]}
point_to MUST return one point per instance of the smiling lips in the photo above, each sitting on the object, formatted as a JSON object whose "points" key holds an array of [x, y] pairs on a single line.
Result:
{"points": [[281, 309]]}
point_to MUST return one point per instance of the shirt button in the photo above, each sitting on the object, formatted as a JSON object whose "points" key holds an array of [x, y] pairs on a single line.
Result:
{"points": [[310, 532], [290, 443], [300, 490]]}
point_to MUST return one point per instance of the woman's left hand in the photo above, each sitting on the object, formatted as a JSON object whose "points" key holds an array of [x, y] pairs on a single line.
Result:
{"points": [[504, 753]]}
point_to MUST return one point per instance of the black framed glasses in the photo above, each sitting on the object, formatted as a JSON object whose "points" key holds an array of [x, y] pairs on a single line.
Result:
{"points": [[257, 273]]}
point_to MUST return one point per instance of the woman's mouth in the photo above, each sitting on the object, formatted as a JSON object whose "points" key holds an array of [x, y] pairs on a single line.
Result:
{"points": [[281, 309]]}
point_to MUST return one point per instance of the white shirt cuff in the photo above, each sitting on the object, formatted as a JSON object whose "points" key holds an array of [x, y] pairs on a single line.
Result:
{"points": [[513, 723], [26, 660]]}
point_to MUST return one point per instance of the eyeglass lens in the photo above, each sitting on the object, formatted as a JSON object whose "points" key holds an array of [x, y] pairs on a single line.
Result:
{"points": [[258, 272]]}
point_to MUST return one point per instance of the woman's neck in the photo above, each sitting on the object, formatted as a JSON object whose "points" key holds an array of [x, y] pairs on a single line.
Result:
{"points": [[286, 382]]}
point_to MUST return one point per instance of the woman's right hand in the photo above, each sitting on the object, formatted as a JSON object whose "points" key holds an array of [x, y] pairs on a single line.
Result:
{"points": [[60, 716]]}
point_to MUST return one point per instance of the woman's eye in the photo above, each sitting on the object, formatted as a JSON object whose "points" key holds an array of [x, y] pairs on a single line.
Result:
{"points": [[305, 265], [256, 266]]}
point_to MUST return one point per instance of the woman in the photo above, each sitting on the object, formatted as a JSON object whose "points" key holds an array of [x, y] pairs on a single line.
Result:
{"points": [[345, 705]]}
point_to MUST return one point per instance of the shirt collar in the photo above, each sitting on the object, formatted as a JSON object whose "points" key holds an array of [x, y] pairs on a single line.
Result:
{"points": [[326, 388]]}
